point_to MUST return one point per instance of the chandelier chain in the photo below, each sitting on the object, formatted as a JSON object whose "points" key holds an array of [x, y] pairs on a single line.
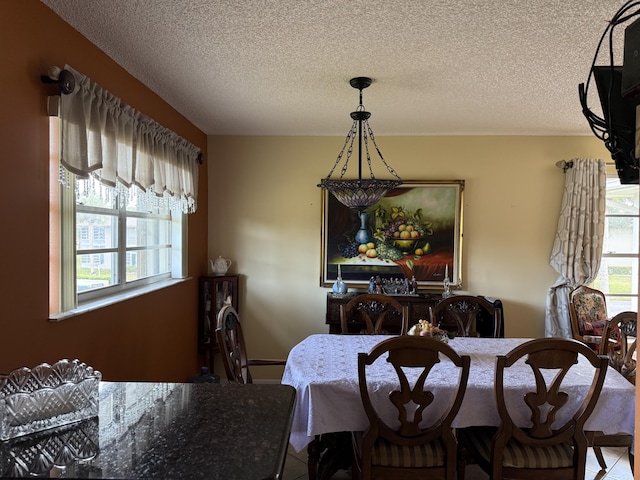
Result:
{"points": [[350, 135], [373, 139], [349, 151], [366, 149]]}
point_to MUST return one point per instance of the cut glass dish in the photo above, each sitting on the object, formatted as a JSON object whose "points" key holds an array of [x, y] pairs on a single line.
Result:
{"points": [[47, 396]]}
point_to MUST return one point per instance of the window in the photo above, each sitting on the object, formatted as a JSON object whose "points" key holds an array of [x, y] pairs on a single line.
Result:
{"points": [[618, 275], [112, 241], [114, 227]]}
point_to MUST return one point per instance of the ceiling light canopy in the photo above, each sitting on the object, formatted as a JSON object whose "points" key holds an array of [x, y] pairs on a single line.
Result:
{"points": [[359, 193]]}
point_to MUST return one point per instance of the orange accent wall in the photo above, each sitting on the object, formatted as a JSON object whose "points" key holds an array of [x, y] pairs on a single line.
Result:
{"points": [[151, 337]]}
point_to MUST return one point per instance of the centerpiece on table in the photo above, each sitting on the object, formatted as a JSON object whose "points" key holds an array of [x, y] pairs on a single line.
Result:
{"points": [[425, 329]]}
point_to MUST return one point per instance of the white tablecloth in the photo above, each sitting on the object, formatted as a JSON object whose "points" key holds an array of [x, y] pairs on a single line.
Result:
{"points": [[323, 369]]}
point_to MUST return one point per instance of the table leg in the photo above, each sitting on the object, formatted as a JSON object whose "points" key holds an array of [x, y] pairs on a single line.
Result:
{"points": [[329, 453]]}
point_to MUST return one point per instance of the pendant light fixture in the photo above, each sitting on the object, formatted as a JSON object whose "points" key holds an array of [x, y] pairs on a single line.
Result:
{"points": [[359, 193]]}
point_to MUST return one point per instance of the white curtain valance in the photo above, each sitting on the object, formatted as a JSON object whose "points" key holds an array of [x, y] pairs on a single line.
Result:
{"points": [[104, 137]]}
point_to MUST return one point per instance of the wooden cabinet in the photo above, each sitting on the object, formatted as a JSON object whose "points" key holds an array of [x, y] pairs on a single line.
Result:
{"points": [[214, 292], [418, 306]]}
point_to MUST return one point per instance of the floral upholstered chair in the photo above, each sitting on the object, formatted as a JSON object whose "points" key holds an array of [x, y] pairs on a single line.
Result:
{"points": [[588, 309]]}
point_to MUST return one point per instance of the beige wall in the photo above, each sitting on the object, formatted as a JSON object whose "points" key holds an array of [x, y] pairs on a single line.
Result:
{"points": [[265, 214]]}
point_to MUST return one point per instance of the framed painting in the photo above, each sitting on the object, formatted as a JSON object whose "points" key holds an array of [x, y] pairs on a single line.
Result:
{"points": [[414, 231]]}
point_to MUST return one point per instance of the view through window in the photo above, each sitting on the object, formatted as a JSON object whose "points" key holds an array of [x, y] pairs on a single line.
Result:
{"points": [[121, 237]]}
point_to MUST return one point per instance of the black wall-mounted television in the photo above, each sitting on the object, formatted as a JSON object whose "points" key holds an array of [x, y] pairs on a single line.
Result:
{"points": [[620, 115], [631, 63]]}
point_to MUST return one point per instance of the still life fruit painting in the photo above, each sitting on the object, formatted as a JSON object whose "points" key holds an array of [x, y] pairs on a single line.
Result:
{"points": [[415, 230]]}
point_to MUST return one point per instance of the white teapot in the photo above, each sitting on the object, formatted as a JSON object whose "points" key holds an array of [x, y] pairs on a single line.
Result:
{"points": [[220, 265]]}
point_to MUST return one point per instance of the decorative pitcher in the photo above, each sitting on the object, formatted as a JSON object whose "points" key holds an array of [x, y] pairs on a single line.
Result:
{"points": [[220, 265]]}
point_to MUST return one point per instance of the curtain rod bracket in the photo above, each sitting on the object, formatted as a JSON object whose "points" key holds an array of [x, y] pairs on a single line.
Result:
{"points": [[564, 165], [65, 80]]}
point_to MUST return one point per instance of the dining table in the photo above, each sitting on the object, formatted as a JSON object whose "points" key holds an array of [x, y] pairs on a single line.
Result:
{"points": [[156, 430], [323, 368]]}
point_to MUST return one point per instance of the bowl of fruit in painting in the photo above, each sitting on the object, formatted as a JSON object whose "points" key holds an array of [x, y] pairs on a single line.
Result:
{"points": [[406, 236], [406, 246]]}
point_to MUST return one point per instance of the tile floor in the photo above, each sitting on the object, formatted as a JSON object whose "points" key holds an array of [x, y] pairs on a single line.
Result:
{"points": [[617, 462]]}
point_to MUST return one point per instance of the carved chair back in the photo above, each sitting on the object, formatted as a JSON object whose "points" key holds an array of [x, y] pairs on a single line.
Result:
{"points": [[409, 441], [465, 309], [233, 350], [373, 311], [550, 360], [619, 343], [232, 346]]}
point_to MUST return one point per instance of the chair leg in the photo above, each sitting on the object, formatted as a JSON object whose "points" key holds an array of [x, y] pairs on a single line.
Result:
{"points": [[313, 455], [461, 463], [598, 453], [631, 457]]}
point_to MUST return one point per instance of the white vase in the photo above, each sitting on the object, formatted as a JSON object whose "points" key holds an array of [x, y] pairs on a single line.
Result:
{"points": [[339, 286]]}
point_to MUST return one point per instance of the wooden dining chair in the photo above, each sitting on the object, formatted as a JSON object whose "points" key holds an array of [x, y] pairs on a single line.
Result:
{"points": [[375, 312], [548, 447], [411, 442], [465, 310], [233, 350], [618, 345]]}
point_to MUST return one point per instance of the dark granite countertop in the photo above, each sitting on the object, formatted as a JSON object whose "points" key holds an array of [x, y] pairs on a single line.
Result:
{"points": [[164, 431]]}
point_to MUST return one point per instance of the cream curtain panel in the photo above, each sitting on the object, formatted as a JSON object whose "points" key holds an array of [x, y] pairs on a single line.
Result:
{"points": [[577, 248], [104, 137]]}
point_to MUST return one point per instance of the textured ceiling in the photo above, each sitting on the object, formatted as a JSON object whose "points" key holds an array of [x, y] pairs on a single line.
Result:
{"points": [[282, 67]]}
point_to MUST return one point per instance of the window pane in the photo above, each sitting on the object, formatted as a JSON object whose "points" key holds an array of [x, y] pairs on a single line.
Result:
{"points": [[148, 262], [616, 304], [96, 230], [620, 235], [96, 270], [617, 275], [91, 193], [148, 232], [141, 202], [621, 199]]}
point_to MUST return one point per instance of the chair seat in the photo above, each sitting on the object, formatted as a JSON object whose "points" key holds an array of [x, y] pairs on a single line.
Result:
{"points": [[387, 454], [516, 455]]}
